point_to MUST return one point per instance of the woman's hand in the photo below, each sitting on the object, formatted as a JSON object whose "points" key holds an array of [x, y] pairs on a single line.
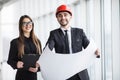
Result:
{"points": [[31, 69], [20, 64], [37, 64]]}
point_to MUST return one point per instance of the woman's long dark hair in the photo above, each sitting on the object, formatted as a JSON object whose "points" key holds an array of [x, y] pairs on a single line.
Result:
{"points": [[32, 35]]}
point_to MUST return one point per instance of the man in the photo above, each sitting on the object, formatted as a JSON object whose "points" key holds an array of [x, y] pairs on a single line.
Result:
{"points": [[67, 39]]}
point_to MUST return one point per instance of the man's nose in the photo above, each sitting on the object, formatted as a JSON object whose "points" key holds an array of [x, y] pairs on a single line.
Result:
{"points": [[63, 17]]}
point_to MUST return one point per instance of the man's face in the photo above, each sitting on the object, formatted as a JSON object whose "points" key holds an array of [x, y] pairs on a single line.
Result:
{"points": [[63, 18]]}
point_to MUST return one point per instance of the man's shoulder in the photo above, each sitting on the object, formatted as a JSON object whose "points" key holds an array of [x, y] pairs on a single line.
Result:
{"points": [[72, 28], [77, 29], [55, 30]]}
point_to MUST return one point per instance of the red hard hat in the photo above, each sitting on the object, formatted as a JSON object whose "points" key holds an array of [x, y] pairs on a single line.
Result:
{"points": [[63, 8]]}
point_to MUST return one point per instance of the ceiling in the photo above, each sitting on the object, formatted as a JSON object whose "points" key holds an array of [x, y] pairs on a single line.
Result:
{"points": [[3, 2]]}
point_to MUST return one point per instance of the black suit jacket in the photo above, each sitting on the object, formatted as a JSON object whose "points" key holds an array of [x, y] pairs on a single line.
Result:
{"points": [[78, 41]]}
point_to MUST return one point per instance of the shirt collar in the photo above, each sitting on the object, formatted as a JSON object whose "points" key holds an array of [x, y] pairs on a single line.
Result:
{"points": [[69, 29]]}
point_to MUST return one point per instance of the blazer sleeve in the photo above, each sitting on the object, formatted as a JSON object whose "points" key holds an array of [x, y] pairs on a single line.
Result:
{"points": [[51, 41], [40, 46], [13, 54], [85, 40]]}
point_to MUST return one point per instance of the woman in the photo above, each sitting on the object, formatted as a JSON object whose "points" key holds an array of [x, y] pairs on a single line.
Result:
{"points": [[26, 43]]}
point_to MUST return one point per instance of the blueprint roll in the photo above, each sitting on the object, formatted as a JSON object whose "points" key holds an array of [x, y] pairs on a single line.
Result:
{"points": [[56, 66]]}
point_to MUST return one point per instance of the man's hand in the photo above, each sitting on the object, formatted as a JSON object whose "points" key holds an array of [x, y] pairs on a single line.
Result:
{"points": [[97, 53]]}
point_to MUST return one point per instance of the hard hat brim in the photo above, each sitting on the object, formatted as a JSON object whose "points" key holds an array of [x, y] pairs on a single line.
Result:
{"points": [[63, 11]]}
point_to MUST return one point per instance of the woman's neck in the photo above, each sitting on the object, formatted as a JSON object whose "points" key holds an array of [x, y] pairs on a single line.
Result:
{"points": [[27, 35]]}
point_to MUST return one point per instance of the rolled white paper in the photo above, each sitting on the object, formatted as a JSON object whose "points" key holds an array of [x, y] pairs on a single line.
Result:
{"points": [[56, 66]]}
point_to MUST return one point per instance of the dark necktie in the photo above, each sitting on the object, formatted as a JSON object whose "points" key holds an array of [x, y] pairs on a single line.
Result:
{"points": [[66, 42]]}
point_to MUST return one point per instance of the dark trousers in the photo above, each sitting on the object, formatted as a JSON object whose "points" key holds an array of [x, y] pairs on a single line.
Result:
{"points": [[75, 77]]}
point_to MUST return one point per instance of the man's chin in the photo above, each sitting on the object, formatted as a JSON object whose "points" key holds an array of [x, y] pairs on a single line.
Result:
{"points": [[63, 24]]}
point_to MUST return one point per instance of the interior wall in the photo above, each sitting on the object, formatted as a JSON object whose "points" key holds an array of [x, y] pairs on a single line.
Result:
{"points": [[115, 39]]}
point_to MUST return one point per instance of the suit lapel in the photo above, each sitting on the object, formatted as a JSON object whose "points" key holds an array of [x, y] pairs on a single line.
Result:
{"points": [[72, 37], [72, 34], [61, 35]]}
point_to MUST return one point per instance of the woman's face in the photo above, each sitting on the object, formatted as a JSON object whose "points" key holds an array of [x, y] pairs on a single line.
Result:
{"points": [[27, 25]]}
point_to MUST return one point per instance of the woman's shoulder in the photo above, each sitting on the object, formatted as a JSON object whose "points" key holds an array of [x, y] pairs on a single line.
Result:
{"points": [[14, 40]]}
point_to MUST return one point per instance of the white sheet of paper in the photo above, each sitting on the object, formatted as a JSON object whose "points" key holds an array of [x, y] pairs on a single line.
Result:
{"points": [[55, 66]]}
